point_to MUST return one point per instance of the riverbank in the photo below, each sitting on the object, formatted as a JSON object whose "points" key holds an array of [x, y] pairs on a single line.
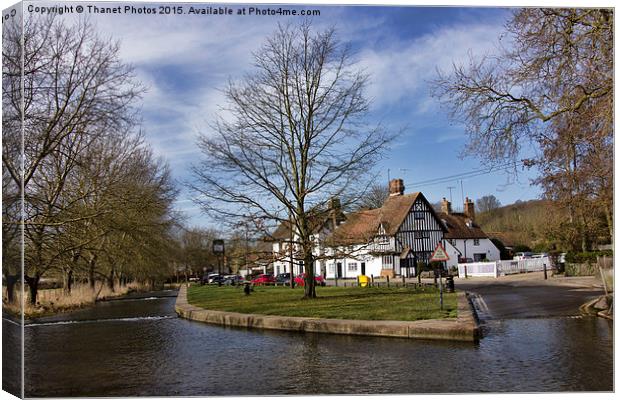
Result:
{"points": [[461, 328], [601, 306], [55, 301]]}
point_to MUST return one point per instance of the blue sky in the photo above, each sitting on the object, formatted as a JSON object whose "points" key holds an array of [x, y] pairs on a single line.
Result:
{"points": [[185, 60]]}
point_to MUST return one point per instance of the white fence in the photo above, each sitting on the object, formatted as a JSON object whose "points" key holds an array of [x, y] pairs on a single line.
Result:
{"points": [[500, 268]]}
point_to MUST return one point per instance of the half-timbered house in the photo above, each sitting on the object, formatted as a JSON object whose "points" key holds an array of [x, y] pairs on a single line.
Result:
{"points": [[385, 241]]}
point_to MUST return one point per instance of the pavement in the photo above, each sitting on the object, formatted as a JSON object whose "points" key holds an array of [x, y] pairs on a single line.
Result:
{"points": [[530, 295]]}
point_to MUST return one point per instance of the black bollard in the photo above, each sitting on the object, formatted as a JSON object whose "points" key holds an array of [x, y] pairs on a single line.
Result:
{"points": [[545, 270]]}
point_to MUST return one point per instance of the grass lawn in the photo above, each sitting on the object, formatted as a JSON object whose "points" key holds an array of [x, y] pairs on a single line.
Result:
{"points": [[399, 304]]}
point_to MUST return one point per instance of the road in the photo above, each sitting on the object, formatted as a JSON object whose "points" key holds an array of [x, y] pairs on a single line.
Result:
{"points": [[529, 295]]}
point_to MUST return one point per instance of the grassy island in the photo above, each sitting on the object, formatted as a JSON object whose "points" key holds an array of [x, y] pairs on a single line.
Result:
{"points": [[371, 303]]}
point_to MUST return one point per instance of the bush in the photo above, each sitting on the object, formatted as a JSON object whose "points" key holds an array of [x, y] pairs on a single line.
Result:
{"points": [[586, 257], [521, 248]]}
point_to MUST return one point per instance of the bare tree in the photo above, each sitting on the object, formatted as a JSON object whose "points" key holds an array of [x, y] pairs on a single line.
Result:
{"points": [[551, 88], [297, 136], [374, 197], [487, 203]]}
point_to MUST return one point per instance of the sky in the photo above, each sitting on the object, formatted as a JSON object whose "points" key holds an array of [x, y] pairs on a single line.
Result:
{"points": [[184, 61]]}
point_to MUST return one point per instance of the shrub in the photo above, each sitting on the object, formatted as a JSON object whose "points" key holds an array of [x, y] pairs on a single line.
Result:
{"points": [[586, 257]]}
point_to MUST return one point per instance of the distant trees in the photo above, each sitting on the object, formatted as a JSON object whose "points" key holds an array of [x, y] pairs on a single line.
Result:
{"points": [[94, 198], [552, 86], [374, 197], [296, 137], [196, 250], [487, 203]]}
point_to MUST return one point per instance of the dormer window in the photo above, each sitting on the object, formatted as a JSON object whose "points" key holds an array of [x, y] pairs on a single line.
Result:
{"points": [[469, 223], [382, 239]]}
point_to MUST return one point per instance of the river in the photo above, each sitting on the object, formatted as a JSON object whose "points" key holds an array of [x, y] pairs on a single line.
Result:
{"points": [[138, 347]]}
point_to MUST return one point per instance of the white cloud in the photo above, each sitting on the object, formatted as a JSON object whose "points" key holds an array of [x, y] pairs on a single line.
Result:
{"points": [[402, 69]]}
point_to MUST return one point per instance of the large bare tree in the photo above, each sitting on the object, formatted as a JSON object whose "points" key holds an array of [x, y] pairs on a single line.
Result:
{"points": [[549, 89], [297, 135]]}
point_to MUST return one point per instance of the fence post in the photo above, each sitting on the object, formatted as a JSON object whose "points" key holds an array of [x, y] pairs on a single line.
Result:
{"points": [[372, 280], [465, 266], [387, 277], [600, 270]]}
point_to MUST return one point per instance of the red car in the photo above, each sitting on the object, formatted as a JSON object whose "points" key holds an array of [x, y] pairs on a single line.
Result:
{"points": [[264, 279], [318, 279]]}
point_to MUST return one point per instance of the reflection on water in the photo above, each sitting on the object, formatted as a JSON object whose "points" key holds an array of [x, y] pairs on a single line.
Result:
{"points": [[136, 348]]}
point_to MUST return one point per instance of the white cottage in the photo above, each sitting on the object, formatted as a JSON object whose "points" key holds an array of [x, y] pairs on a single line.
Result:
{"points": [[465, 239], [285, 252]]}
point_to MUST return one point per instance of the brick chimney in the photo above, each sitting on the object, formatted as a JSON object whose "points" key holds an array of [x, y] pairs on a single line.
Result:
{"points": [[335, 211], [468, 208], [446, 206], [397, 187]]}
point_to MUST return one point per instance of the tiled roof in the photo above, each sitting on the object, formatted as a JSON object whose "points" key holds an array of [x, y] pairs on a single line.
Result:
{"points": [[458, 228]]}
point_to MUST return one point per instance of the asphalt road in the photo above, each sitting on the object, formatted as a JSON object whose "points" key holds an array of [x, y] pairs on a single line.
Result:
{"points": [[529, 296]]}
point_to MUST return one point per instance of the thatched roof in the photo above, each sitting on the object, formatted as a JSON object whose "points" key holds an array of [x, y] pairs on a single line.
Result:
{"points": [[461, 226], [363, 226]]}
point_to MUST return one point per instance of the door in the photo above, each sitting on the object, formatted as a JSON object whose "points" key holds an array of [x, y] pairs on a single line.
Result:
{"points": [[363, 268], [339, 270]]}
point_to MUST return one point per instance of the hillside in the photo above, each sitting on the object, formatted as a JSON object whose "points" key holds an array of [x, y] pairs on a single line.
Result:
{"points": [[523, 223]]}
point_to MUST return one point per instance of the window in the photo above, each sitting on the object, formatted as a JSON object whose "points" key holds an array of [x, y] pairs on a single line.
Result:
{"points": [[418, 214], [476, 242], [332, 268], [422, 234], [382, 239], [352, 266], [452, 242], [388, 262]]}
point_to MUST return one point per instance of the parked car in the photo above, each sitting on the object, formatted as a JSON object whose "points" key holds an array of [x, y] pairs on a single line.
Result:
{"points": [[233, 280], [318, 279], [264, 279], [283, 277], [206, 278], [217, 279], [523, 255]]}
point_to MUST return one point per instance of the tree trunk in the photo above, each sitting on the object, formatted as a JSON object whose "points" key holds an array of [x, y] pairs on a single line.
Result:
{"points": [[309, 284], [68, 281], [11, 280], [33, 284], [111, 280], [91, 271]]}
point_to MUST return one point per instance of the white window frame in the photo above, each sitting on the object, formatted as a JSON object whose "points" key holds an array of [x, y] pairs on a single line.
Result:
{"points": [[352, 266], [476, 242], [387, 262]]}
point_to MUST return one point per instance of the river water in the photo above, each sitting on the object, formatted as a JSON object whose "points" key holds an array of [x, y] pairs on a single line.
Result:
{"points": [[138, 347]]}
